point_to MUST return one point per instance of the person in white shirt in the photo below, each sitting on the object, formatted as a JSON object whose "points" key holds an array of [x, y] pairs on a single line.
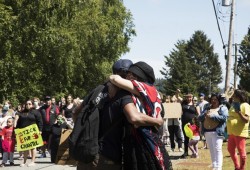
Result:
{"points": [[202, 102], [201, 106]]}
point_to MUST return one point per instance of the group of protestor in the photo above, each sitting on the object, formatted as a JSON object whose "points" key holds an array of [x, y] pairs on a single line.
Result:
{"points": [[130, 98], [49, 118], [224, 117]]}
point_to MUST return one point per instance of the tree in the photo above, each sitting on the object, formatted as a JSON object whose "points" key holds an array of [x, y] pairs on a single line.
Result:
{"points": [[60, 46], [244, 62], [205, 63], [178, 72], [192, 66]]}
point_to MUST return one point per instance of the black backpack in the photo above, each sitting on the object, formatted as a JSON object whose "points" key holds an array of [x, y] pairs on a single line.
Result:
{"points": [[83, 141]]}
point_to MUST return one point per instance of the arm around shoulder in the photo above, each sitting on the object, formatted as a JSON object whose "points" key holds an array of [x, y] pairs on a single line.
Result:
{"points": [[123, 83]]}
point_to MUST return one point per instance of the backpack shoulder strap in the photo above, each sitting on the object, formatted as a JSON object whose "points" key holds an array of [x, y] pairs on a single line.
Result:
{"points": [[94, 97]]}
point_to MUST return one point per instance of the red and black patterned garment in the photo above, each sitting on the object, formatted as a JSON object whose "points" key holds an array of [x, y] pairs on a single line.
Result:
{"points": [[146, 151]]}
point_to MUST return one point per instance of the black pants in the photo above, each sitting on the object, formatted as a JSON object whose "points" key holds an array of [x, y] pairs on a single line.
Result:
{"points": [[186, 140], [175, 131]]}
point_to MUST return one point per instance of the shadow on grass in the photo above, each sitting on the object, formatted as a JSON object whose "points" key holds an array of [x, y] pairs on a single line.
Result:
{"points": [[176, 157]]}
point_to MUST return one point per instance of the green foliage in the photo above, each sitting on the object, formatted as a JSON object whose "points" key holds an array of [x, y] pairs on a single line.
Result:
{"points": [[244, 63], [51, 47], [192, 65]]}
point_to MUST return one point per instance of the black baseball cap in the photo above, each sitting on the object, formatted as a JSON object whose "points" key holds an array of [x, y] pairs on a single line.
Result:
{"points": [[47, 98]]}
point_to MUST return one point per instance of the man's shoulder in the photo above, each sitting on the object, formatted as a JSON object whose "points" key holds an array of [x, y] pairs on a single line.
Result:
{"points": [[202, 103]]}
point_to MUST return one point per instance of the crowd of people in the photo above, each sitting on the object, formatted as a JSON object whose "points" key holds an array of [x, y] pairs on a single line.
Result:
{"points": [[46, 114], [131, 98], [219, 118]]}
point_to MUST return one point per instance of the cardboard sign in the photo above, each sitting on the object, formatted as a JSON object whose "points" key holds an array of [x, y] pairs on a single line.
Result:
{"points": [[172, 110], [28, 138], [62, 157]]}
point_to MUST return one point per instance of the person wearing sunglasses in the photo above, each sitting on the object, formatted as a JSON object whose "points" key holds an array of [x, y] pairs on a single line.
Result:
{"points": [[26, 118]]}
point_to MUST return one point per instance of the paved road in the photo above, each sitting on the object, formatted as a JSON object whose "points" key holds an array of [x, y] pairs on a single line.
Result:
{"points": [[41, 163], [45, 164]]}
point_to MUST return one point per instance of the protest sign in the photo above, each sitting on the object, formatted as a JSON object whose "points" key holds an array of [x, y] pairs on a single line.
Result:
{"points": [[63, 157], [28, 138], [172, 110]]}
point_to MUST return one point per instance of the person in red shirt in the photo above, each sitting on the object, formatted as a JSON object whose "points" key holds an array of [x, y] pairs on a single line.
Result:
{"points": [[8, 143], [193, 142], [49, 112]]}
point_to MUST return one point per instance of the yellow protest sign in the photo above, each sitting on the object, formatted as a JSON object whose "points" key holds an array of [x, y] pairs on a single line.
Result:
{"points": [[28, 138]]}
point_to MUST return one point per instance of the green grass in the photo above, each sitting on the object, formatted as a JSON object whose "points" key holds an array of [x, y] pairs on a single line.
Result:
{"points": [[203, 162]]}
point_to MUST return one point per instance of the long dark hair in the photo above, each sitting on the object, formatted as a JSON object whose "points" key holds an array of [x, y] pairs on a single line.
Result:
{"points": [[195, 121], [242, 95], [25, 110], [218, 97]]}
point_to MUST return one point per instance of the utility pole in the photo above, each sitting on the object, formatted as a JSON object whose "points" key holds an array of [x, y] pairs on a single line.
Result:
{"points": [[229, 55], [235, 66]]}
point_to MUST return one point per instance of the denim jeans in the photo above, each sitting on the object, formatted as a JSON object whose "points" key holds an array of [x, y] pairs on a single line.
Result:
{"points": [[7, 155]]}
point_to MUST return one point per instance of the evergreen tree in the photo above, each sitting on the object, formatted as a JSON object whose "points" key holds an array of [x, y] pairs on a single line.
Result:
{"points": [[192, 66], [178, 72], [205, 63], [244, 62]]}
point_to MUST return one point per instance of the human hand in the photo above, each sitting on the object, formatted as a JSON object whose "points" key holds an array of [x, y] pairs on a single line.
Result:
{"points": [[160, 120]]}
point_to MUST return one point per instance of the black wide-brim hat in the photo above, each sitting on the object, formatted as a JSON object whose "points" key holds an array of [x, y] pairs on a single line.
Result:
{"points": [[143, 71]]}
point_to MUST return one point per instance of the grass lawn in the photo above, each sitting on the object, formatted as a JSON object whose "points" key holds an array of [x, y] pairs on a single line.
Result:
{"points": [[204, 160]]}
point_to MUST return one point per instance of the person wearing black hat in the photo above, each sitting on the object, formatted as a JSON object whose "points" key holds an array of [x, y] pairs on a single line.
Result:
{"points": [[139, 71], [49, 113], [115, 106], [140, 80]]}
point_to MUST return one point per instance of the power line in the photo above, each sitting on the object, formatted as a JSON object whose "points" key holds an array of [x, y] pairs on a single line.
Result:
{"points": [[224, 46]]}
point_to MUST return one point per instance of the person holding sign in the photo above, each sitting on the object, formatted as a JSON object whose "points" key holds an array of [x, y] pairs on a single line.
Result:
{"points": [[29, 116], [213, 124], [54, 139]]}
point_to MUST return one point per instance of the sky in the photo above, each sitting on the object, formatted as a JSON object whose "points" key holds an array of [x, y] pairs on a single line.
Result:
{"points": [[159, 24]]}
